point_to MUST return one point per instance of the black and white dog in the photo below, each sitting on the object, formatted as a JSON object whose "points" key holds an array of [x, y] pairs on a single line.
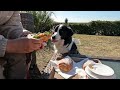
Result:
{"points": [[63, 41]]}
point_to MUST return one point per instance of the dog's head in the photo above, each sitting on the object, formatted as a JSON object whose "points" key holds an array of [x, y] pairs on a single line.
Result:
{"points": [[62, 32]]}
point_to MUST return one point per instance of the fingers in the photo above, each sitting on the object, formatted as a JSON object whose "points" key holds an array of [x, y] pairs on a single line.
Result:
{"points": [[38, 44], [32, 44], [42, 46], [37, 41], [36, 47]]}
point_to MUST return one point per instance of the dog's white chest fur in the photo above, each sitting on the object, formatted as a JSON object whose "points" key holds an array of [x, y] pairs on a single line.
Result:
{"points": [[60, 48]]}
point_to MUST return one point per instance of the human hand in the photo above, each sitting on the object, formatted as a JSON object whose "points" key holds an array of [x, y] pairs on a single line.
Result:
{"points": [[24, 45]]}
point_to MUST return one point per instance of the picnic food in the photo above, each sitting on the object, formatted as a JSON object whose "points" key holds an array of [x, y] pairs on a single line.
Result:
{"points": [[43, 36], [65, 67], [65, 64], [91, 66]]}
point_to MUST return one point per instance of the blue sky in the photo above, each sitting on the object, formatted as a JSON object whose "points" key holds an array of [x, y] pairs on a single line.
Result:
{"points": [[85, 16]]}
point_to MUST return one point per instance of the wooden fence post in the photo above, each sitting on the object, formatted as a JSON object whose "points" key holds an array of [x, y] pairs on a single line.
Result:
{"points": [[27, 21]]}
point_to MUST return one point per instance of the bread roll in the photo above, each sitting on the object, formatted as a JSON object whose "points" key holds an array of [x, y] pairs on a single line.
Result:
{"points": [[66, 64]]}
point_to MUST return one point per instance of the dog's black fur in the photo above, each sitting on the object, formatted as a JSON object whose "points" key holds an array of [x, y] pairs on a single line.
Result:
{"points": [[65, 33]]}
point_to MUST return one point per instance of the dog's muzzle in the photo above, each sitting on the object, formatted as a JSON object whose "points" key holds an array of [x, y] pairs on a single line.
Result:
{"points": [[53, 37]]}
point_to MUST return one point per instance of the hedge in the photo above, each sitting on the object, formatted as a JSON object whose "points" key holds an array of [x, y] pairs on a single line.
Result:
{"points": [[108, 28]]}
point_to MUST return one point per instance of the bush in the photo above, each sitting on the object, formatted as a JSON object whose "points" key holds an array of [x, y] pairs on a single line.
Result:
{"points": [[97, 28], [42, 20]]}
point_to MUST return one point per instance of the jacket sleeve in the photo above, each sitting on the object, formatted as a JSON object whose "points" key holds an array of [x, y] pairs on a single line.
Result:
{"points": [[3, 43], [12, 29]]}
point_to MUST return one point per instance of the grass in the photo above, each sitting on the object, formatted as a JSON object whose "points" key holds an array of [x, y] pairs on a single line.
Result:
{"points": [[91, 45], [105, 46]]}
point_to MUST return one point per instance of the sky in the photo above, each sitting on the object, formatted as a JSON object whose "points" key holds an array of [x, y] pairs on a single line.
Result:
{"points": [[85, 16]]}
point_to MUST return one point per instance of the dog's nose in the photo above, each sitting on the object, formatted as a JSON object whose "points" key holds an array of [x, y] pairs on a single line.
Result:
{"points": [[53, 37]]}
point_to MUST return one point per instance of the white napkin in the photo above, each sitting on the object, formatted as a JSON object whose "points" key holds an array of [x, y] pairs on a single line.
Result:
{"points": [[77, 68], [68, 74]]}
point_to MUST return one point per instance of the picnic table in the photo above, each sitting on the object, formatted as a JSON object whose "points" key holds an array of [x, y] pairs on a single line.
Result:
{"points": [[115, 64], [52, 74]]}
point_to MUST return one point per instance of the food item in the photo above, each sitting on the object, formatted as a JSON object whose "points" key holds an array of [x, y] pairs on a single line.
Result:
{"points": [[43, 36], [65, 67], [88, 63], [91, 66], [66, 64]]}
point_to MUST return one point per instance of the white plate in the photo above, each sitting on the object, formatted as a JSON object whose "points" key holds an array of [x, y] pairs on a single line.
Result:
{"points": [[89, 74], [100, 71]]}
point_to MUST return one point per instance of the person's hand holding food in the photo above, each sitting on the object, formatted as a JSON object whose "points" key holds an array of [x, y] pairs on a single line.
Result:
{"points": [[27, 44], [44, 37], [23, 45]]}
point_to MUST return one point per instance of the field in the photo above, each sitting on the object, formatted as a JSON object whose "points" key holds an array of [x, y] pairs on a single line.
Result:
{"points": [[91, 45], [105, 46]]}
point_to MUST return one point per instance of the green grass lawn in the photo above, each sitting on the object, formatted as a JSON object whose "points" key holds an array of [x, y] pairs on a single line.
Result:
{"points": [[91, 45], [105, 46]]}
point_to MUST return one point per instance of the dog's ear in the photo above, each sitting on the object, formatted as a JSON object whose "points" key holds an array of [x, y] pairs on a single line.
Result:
{"points": [[70, 31]]}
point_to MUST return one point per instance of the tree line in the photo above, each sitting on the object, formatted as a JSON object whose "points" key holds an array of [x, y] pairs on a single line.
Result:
{"points": [[43, 22]]}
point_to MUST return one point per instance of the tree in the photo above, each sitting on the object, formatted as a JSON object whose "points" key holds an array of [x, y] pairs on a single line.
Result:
{"points": [[66, 21], [42, 20]]}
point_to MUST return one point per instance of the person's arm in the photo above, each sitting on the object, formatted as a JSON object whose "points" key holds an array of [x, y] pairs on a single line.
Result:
{"points": [[12, 29], [15, 43], [23, 45], [3, 43]]}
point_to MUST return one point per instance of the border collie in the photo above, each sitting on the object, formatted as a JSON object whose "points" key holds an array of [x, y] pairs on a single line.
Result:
{"points": [[63, 41]]}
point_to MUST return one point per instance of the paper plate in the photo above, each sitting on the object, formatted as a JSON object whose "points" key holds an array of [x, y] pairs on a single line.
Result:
{"points": [[100, 71]]}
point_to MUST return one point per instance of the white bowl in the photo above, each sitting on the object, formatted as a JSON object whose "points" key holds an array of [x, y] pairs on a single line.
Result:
{"points": [[99, 71]]}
